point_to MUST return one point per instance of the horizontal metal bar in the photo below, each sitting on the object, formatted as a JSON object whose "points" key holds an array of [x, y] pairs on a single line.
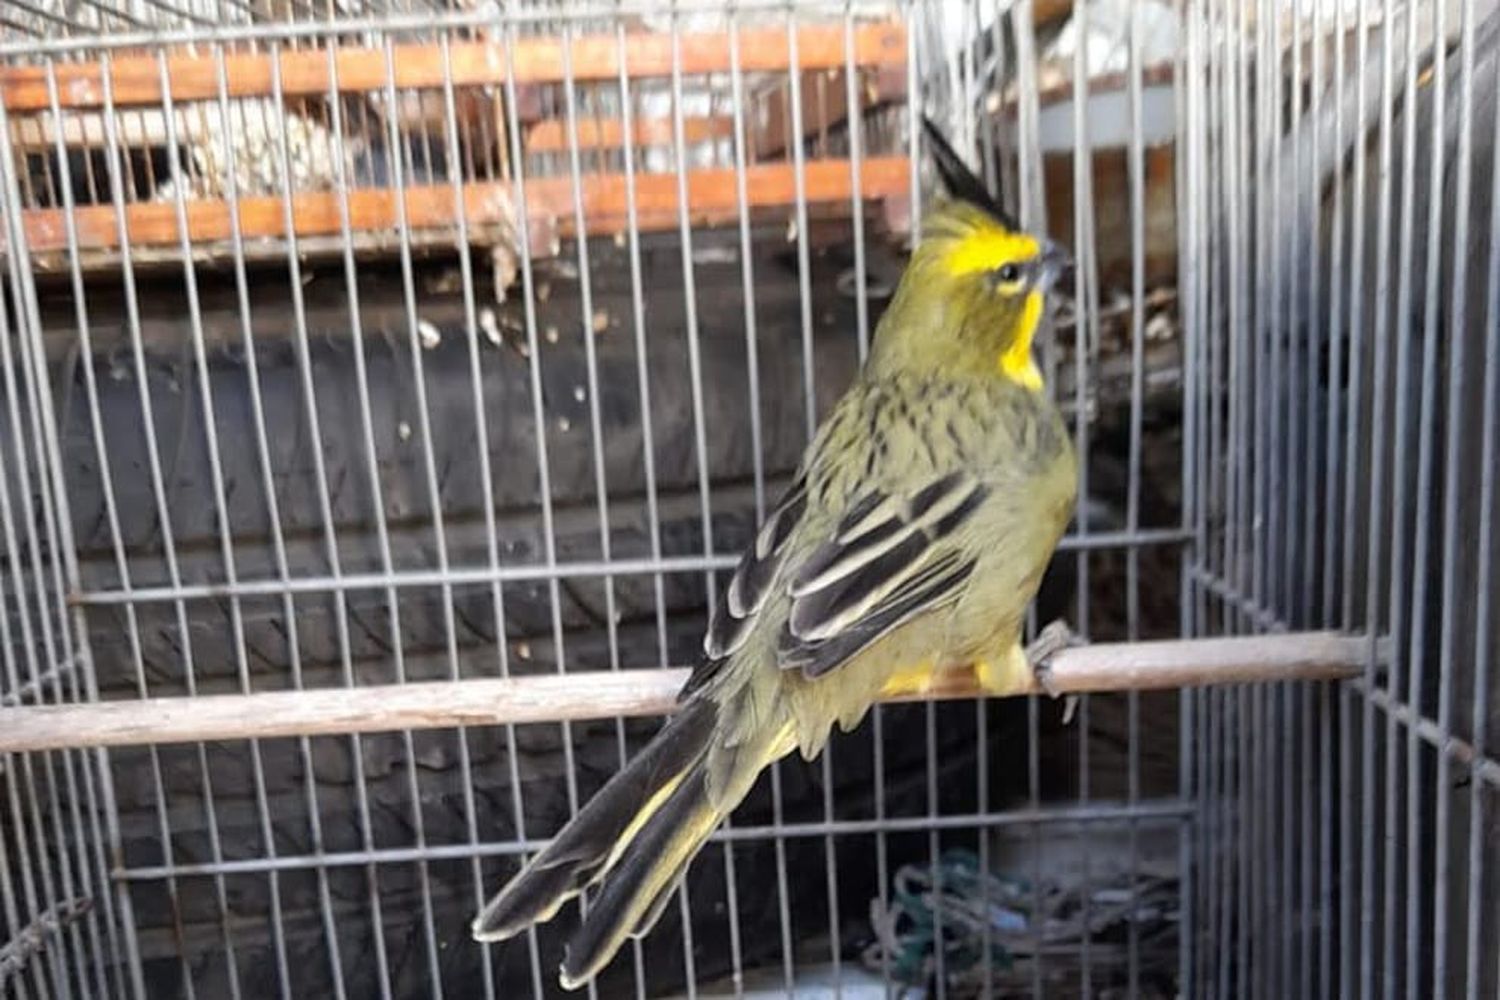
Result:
{"points": [[394, 23], [460, 576], [1163, 810], [611, 694], [137, 79], [712, 197], [1483, 768]]}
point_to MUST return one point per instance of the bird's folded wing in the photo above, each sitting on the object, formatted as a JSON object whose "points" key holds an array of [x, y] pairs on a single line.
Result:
{"points": [[891, 558]]}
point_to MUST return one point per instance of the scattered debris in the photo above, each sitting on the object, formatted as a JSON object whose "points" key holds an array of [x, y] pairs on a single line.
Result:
{"points": [[429, 334], [971, 908], [443, 282]]}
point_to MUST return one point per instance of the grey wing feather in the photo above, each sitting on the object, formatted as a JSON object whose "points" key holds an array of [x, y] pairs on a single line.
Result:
{"points": [[748, 589], [887, 563]]}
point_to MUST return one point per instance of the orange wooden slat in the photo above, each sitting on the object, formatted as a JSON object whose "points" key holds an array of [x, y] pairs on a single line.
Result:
{"points": [[551, 136], [136, 79], [711, 196]]}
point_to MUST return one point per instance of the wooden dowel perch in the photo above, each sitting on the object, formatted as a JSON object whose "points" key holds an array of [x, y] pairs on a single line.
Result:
{"points": [[1139, 666]]}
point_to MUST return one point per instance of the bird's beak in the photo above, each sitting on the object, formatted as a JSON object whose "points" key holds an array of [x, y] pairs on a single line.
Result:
{"points": [[1054, 261]]}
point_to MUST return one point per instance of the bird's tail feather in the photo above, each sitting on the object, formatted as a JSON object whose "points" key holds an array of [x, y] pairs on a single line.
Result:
{"points": [[638, 888], [594, 841]]}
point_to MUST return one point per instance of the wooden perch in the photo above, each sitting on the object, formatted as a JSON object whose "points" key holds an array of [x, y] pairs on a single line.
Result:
{"points": [[711, 197], [136, 79], [1136, 666]]}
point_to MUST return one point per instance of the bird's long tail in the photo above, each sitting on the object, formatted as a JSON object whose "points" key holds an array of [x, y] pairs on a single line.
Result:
{"points": [[637, 835]]}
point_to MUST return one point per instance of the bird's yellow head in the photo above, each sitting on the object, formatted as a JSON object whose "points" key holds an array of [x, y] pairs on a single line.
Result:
{"points": [[971, 299], [975, 291]]}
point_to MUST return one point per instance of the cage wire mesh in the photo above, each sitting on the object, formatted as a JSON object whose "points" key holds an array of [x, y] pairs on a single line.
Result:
{"points": [[267, 426]]}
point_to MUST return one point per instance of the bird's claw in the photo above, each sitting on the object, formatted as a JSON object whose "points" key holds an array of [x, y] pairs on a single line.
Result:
{"points": [[1050, 641]]}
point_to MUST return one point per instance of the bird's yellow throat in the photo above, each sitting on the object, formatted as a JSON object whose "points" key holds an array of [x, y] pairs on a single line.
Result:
{"points": [[1016, 362]]}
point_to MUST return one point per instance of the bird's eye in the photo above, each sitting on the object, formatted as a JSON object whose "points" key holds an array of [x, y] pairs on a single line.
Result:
{"points": [[1008, 274]]}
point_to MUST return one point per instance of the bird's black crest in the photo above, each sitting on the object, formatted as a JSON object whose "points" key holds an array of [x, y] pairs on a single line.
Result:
{"points": [[960, 180]]}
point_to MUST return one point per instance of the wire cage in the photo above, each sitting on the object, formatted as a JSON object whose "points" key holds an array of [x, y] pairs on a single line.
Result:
{"points": [[359, 355]]}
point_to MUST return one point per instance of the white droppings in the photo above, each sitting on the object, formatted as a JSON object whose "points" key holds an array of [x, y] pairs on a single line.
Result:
{"points": [[580, 393], [564, 424], [600, 320], [429, 334], [491, 326], [403, 431], [551, 334]]}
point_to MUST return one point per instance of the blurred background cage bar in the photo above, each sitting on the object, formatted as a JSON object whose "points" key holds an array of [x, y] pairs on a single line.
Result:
{"points": [[363, 342]]}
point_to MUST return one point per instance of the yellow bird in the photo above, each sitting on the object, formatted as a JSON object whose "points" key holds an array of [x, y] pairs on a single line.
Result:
{"points": [[914, 537]]}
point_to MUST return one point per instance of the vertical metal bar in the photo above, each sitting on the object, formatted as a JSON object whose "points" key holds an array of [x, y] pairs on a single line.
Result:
{"points": [[434, 492], [1294, 747], [643, 377], [1330, 550], [376, 497], [1136, 171], [1375, 540], [538, 416], [1244, 340], [1186, 80], [810, 403], [1308, 843], [1032, 209], [855, 114], [221, 509], [1476, 947], [1343, 579], [1417, 676], [1356, 292], [915, 66], [289, 617], [1085, 332], [1402, 425], [325, 513], [1456, 323], [159, 496], [695, 366]]}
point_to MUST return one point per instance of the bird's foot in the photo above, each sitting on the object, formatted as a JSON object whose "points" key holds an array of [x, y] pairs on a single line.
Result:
{"points": [[1040, 652]]}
